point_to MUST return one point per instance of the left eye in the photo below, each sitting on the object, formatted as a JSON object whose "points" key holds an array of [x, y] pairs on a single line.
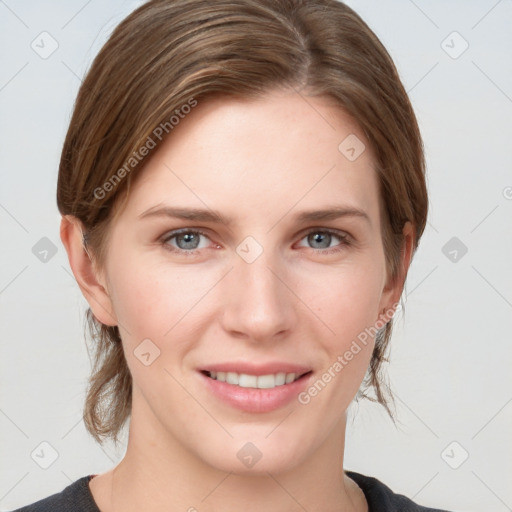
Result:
{"points": [[323, 239]]}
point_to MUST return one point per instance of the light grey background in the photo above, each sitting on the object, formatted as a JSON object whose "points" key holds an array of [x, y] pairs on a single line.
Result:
{"points": [[452, 352]]}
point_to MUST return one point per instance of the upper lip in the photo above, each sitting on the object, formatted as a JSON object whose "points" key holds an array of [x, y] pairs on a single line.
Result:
{"points": [[257, 369]]}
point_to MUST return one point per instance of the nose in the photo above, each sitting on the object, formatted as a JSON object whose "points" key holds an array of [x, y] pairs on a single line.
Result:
{"points": [[258, 306]]}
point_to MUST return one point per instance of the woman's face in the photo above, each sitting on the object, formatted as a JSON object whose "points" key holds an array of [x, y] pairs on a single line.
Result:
{"points": [[250, 245]]}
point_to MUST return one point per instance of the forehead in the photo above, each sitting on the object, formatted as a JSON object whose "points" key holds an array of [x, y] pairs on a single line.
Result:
{"points": [[268, 155]]}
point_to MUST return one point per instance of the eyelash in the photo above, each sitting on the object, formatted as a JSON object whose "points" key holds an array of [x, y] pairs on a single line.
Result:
{"points": [[345, 240]]}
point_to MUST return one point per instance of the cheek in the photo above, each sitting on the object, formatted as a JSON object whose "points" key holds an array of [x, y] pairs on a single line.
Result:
{"points": [[347, 302], [155, 301], [349, 309], [156, 304], [346, 299]]}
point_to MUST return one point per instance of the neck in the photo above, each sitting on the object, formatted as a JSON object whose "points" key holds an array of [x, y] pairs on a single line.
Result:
{"points": [[159, 473]]}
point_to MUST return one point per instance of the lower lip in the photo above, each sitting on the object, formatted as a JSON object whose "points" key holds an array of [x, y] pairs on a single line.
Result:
{"points": [[253, 399]]}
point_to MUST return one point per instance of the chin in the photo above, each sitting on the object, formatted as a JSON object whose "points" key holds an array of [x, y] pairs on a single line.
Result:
{"points": [[255, 455]]}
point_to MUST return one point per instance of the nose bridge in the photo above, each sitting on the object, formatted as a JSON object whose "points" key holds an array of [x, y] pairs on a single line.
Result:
{"points": [[259, 305], [259, 281]]}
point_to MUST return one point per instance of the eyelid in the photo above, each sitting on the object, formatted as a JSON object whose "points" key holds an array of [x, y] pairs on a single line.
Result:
{"points": [[343, 235], [174, 232]]}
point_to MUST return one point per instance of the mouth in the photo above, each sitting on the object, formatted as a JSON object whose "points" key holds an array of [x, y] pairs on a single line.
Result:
{"points": [[256, 388], [246, 380]]}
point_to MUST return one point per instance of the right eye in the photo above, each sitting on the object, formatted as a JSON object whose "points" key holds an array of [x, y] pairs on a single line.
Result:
{"points": [[186, 241]]}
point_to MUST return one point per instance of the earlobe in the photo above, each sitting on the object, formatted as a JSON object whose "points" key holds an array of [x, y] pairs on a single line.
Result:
{"points": [[81, 263]]}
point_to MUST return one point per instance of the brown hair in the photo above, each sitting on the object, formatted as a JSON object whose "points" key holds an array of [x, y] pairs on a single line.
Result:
{"points": [[171, 53]]}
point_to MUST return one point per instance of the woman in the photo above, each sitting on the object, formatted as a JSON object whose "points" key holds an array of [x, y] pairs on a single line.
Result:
{"points": [[242, 189]]}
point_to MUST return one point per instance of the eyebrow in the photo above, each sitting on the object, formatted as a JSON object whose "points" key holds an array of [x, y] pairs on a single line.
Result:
{"points": [[207, 215]]}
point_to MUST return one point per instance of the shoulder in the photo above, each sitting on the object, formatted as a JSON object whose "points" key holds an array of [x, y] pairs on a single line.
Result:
{"points": [[381, 498], [76, 496]]}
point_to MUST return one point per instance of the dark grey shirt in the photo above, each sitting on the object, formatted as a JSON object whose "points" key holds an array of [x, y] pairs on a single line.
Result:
{"points": [[77, 497]]}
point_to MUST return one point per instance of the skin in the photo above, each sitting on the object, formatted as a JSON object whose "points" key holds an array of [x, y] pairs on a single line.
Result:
{"points": [[259, 162]]}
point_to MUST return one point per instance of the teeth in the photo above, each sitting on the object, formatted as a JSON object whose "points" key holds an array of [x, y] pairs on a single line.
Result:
{"points": [[247, 381], [290, 377], [232, 378], [281, 378], [255, 381], [266, 382]]}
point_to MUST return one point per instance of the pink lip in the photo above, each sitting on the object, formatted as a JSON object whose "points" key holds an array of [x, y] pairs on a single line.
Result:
{"points": [[256, 369], [256, 400]]}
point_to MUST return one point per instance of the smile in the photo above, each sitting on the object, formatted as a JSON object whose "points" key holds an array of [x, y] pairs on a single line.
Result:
{"points": [[246, 380]]}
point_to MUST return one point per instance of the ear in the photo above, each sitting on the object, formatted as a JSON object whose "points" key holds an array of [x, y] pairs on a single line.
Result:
{"points": [[89, 280], [393, 289]]}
